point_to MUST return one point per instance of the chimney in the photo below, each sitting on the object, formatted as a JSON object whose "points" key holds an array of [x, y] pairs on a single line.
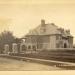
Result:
{"points": [[42, 22]]}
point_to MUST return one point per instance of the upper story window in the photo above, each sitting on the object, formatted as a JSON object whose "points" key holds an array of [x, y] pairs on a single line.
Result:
{"points": [[44, 30], [58, 37]]}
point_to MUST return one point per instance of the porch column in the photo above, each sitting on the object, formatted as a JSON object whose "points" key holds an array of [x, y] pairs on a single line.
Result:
{"points": [[14, 48], [6, 48]]}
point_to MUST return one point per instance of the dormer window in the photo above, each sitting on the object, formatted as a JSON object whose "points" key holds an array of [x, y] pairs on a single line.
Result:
{"points": [[43, 29]]}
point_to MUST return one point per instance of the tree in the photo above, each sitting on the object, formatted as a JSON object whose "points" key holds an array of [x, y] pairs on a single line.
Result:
{"points": [[6, 37]]}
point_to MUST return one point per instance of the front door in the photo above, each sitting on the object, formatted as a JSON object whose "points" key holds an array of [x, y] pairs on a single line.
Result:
{"points": [[65, 45]]}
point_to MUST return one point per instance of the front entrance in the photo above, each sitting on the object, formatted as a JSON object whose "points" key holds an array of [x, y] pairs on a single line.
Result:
{"points": [[65, 45]]}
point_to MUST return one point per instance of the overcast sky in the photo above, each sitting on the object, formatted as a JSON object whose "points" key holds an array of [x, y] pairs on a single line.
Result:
{"points": [[19, 16]]}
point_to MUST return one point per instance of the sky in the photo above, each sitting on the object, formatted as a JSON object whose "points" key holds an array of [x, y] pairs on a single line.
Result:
{"points": [[20, 16]]}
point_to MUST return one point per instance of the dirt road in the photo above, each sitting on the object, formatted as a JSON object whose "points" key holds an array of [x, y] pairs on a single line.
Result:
{"points": [[17, 65]]}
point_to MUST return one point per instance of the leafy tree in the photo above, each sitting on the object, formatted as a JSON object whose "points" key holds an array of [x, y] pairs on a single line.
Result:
{"points": [[6, 37]]}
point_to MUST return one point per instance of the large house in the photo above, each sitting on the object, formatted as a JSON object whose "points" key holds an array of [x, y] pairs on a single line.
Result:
{"points": [[48, 36]]}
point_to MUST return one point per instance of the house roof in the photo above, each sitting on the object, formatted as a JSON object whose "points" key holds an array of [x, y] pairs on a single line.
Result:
{"points": [[48, 29]]}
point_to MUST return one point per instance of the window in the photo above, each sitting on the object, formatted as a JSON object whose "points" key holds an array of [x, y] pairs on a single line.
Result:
{"points": [[57, 45], [23, 47], [29, 47], [39, 46], [34, 48], [58, 37], [44, 30]]}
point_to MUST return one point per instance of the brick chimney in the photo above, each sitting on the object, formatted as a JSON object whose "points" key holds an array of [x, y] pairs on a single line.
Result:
{"points": [[42, 22]]}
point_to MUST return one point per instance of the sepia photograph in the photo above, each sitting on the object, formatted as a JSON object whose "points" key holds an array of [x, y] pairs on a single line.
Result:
{"points": [[37, 35]]}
